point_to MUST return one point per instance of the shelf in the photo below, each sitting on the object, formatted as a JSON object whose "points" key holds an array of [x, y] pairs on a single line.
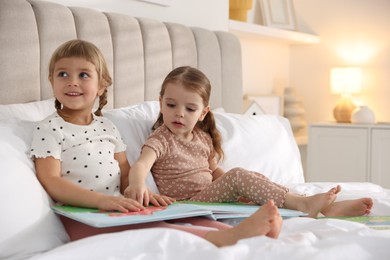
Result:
{"points": [[259, 31]]}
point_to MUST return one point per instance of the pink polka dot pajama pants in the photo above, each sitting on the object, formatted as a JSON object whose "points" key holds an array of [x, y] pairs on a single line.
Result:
{"points": [[239, 182]]}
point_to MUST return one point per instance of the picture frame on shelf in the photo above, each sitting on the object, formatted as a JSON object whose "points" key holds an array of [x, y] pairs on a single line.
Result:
{"points": [[278, 14]]}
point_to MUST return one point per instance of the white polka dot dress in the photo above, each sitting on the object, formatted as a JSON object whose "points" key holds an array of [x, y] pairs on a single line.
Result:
{"points": [[86, 152]]}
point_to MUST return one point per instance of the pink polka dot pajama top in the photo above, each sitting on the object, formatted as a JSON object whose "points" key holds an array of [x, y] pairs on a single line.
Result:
{"points": [[182, 171]]}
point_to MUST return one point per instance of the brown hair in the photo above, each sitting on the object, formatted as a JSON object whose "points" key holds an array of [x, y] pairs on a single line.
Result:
{"points": [[89, 52], [196, 81]]}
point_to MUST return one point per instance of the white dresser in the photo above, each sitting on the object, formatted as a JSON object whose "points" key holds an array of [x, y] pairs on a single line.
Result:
{"points": [[348, 153]]}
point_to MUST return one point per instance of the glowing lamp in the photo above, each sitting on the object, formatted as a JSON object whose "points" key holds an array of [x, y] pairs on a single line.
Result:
{"points": [[345, 82]]}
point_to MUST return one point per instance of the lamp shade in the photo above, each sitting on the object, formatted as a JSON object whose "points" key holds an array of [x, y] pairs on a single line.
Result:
{"points": [[347, 80]]}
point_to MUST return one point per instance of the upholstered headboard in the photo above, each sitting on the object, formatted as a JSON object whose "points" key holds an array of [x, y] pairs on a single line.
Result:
{"points": [[139, 51]]}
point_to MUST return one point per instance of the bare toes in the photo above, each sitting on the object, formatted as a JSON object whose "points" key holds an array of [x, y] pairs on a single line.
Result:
{"points": [[335, 190]]}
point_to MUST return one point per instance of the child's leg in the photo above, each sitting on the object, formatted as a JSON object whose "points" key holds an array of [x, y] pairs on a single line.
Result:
{"points": [[265, 221], [357, 207], [205, 222], [240, 182], [259, 189], [77, 230], [312, 204]]}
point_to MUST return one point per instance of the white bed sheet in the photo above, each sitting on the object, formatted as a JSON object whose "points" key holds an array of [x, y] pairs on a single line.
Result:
{"points": [[300, 238]]}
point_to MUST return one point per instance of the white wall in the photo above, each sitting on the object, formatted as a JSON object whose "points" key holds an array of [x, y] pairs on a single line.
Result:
{"points": [[352, 33], [266, 64], [199, 13]]}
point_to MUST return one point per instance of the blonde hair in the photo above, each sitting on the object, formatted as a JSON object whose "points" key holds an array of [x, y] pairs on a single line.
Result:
{"points": [[89, 52], [196, 81]]}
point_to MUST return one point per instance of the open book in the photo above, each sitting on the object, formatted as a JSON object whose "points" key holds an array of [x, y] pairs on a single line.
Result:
{"points": [[177, 210], [374, 222], [237, 210]]}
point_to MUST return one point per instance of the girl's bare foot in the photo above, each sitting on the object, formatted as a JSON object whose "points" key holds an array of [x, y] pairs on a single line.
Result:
{"points": [[350, 208], [313, 204], [264, 222]]}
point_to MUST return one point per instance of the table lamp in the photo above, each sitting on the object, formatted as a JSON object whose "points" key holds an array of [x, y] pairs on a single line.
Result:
{"points": [[345, 82]]}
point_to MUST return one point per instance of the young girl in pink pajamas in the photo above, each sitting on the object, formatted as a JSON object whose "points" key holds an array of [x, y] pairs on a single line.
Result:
{"points": [[80, 157], [185, 147]]}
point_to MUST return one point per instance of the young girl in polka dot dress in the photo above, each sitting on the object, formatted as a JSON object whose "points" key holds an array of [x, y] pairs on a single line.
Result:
{"points": [[80, 157], [184, 149]]}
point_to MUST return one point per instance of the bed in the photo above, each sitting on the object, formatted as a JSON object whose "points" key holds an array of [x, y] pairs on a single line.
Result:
{"points": [[140, 52]]}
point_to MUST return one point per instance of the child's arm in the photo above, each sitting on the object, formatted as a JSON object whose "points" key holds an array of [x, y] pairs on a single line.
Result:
{"points": [[216, 171], [49, 174], [155, 199], [125, 168], [137, 177], [160, 200]]}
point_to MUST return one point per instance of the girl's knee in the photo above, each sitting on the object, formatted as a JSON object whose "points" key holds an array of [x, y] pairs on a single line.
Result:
{"points": [[244, 172], [237, 170]]}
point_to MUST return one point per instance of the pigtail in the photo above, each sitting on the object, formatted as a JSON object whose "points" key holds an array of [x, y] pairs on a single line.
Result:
{"points": [[102, 103], [57, 104], [208, 125], [158, 122]]}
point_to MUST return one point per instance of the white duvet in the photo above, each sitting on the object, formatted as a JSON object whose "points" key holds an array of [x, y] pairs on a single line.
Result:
{"points": [[300, 238], [276, 154]]}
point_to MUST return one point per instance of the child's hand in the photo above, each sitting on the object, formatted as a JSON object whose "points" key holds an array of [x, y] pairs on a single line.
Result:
{"points": [[160, 200], [139, 193], [119, 204]]}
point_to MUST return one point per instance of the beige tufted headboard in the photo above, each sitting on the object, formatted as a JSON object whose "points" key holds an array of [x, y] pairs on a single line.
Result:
{"points": [[139, 51]]}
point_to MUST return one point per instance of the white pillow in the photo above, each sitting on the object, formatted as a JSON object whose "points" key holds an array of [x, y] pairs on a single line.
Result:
{"points": [[260, 143], [32, 111], [28, 225], [263, 143], [135, 125]]}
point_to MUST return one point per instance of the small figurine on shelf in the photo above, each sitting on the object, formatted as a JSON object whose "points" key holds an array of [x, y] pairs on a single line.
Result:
{"points": [[252, 108], [293, 110], [269, 104]]}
